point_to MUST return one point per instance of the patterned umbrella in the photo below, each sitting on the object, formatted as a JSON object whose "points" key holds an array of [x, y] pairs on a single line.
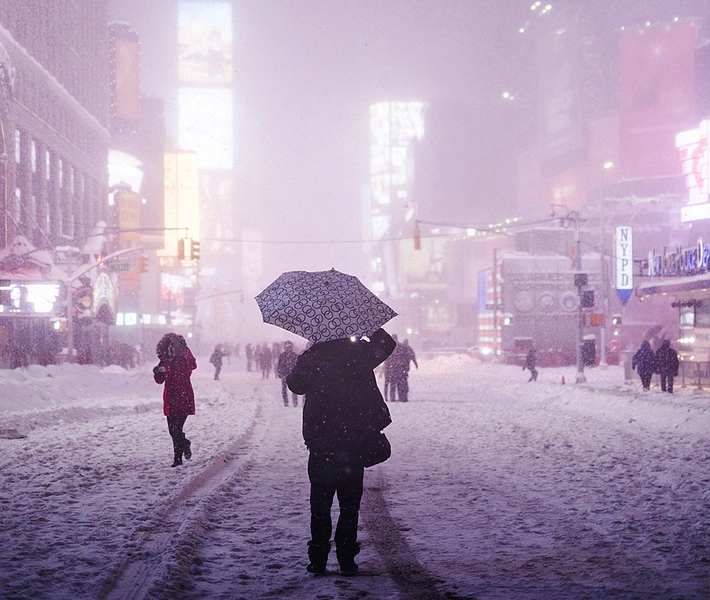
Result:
{"points": [[323, 305]]}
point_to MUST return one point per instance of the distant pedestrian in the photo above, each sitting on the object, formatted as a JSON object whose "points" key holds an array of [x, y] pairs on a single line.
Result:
{"points": [[343, 405], [667, 365], [216, 360], [174, 370], [267, 361], [531, 363], [284, 366], [249, 352], [401, 358], [389, 367], [644, 361]]}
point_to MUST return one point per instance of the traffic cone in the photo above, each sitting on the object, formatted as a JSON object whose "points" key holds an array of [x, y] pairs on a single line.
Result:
{"points": [[563, 380]]}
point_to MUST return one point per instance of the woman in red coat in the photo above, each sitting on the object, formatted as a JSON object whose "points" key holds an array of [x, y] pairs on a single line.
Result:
{"points": [[175, 368]]}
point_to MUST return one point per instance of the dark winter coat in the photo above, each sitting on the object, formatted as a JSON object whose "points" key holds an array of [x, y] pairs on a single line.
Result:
{"points": [[530, 360], [216, 358], [342, 398], [400, 359], [178, 396], [644, 361], [667, 359], [286, 363]]}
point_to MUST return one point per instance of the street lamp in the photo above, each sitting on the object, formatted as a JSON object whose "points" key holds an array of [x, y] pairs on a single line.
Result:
{"points": [[605, 280]]}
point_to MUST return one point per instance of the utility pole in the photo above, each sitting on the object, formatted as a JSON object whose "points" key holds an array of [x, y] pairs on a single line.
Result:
{"points": [[580, 280], [605, 280]]}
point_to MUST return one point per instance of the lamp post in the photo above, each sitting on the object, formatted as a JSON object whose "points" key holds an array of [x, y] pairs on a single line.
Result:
{"points": [[605, 280]]}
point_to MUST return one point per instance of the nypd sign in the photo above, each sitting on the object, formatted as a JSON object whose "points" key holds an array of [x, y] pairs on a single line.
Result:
{"points": [[624, 262]]}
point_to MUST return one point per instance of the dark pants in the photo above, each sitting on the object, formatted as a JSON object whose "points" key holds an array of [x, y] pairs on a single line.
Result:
{"points": [[217, 371], [646, 380], [175, 425], [533, 374], [669, 380], [328, 477], [284, 393], [402, 385]]}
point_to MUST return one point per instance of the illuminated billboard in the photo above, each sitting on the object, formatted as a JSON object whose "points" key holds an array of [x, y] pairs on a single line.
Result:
{"points": [[24, 298], [182, 200], [205, 42], [695, 161], [129, 236], [205, 116]]}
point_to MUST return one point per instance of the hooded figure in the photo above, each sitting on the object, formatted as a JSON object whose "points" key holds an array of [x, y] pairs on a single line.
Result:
{"points": [[644, 361], [667, 365], [174, 370], [342, 405]]}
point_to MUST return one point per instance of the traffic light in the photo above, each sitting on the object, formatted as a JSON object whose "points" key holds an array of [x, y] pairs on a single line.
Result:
{"points": [[616, 320], [143, 263], [417, 237], [587, 299], [181, 248], [195, 250]]}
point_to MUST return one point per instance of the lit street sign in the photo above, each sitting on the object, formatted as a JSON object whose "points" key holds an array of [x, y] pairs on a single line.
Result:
{"points": [[624, 262]]}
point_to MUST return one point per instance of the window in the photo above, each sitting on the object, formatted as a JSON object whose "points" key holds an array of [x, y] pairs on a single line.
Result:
{"points": [[702, 314], [18, 146], [687, 316], [48, 164], [33, 155]]}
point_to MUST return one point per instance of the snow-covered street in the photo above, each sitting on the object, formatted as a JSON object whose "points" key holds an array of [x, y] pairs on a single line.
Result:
{"points": [[496, 489]]}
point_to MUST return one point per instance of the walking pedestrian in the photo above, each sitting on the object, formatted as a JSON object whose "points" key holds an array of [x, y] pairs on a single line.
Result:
{"points": [[644, 361], [174, 370], [531, 363], [342, 405], [667, 365], [216, 360], [249, 353], [266, 359], [401, 358], [284, 366]]}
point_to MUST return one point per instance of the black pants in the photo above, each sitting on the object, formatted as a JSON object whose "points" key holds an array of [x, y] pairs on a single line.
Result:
{"points": [[284, 393], [217, 371], [175, 425], [329, 476], [646, 380], [669, 380], [533, 374]]}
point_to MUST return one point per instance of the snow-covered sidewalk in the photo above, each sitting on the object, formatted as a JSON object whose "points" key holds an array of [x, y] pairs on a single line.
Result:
{"points": [[496, 489]]}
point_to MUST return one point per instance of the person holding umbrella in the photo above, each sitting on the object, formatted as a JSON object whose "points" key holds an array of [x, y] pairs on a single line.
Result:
{"points": [[343, 408]]}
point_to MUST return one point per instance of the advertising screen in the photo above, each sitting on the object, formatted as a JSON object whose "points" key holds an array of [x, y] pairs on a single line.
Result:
{"points": [[205, 42], [182, 199], [127, 83], [657, 96], [206, 125]]}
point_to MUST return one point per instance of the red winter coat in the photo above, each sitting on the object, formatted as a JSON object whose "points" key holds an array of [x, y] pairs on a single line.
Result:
{"points": [[178, 396]]}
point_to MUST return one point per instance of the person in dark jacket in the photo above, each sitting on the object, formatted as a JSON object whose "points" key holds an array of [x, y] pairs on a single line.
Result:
{"points": [[401, 358], [531, 363], [644, 361], [667, 365], [284, 366], [174, 370], [249, 351], [216, 360], [342, 404]]}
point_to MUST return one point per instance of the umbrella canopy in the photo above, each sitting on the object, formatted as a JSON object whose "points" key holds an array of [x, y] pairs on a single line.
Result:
{"points": [[323, 305]]}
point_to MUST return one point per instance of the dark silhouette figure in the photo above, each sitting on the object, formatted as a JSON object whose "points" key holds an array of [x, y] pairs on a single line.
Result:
{"points": [[667, 365], [174, 370], [249, 352], [401, 358], [531, 363], [342, 404], [216, 360], [644, 361], [266, 360], [284, 366]]}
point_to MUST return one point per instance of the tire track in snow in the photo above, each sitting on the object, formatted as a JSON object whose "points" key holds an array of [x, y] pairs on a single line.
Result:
{"points": [[411, 578], [155, 553]]}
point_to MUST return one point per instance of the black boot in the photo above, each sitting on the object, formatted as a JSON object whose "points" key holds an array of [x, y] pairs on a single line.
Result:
{"points": [[346, 558], [318, 555], [178, 458], [187, 450]]}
